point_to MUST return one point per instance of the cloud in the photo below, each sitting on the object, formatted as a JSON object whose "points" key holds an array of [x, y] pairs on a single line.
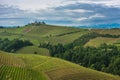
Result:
{"points": [[108, 3], [32, 4], [78, 10], [91, 17], [62, 12], [98, 14], [44, 4]]}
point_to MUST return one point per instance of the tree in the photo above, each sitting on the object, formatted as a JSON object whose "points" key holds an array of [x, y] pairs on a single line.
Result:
{"points": [[43, 22], [35, 52]]}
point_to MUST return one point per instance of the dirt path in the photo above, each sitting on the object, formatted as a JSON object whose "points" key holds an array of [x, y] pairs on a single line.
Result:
{"points": [[28, 30]]}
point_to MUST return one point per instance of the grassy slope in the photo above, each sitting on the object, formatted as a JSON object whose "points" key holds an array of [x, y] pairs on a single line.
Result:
{"points": [[107, 31], [43, 33], [100, 40], [33, 49], [36, 67]]}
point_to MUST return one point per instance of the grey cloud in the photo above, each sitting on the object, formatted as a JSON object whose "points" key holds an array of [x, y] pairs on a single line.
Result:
{"points": [[112, 14], [77, 14]]}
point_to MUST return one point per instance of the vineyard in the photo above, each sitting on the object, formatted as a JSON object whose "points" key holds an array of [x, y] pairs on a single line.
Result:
{"points": [[14, 73], [10, 60], [13, 68], [36, 67]]}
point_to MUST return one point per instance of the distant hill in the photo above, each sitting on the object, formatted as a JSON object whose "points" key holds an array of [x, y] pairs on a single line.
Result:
{"points": [[102, 26], [36, 67]]}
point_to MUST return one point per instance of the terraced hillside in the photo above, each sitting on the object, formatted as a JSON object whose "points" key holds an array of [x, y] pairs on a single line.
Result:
{"points": [[36, 67]]}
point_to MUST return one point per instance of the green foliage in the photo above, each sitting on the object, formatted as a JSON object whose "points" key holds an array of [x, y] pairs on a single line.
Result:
{"points": [[36, 23], [53, 49], [114, 67], [13, 45], [87, 37]]}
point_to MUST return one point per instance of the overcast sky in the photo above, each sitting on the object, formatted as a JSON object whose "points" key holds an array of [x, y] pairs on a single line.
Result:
{"points": [[60, 12]]}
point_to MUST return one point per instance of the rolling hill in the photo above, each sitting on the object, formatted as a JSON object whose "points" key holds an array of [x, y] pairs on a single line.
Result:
{"points": [[43, 33], [36, 67], [54, 34], [29, 64]]}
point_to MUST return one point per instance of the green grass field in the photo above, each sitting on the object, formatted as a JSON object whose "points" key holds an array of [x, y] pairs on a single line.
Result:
{"points": [[36, 67], [33, 50], [100, 40]]}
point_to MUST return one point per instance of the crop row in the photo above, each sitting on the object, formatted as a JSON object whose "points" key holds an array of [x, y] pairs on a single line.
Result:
{"points": [[6, 59], [14, 73]]}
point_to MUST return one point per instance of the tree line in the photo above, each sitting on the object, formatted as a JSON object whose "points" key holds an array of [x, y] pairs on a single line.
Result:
{"points": [[67, 33], [13, 45], [37, 23]]}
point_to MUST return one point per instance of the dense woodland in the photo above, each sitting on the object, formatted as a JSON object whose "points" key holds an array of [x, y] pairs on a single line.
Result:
{"points": [[13, 45], [105, 58]]}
